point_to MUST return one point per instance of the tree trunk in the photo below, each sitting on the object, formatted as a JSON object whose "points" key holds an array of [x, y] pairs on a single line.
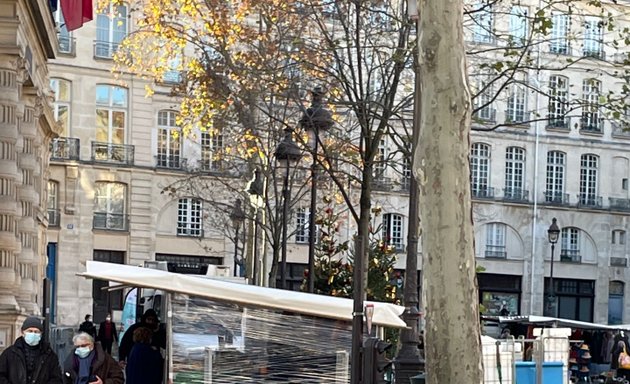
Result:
{"points": [[452, 334]]}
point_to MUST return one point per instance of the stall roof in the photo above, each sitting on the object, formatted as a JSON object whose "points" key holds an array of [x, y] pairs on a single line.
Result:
{"points": [[556, 321], [385, 314]]}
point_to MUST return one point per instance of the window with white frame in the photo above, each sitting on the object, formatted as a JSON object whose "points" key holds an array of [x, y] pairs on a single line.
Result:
{"points": [[302, 218], [61, 106], [593, 37], [518, 25], [588, 180], [570, 245], [189, 217], [561, 25], [211, 151], [168, 140], [516, 103], [514, 173], [53, 203], [558, 101], [556, 171], [483, 19], [393, 231], [591, 91], [495, 240], [619, 237], [110, 205], [480, 170], [64, 37], [380, 159], [484, 104], [406, 172], [111, 30], [111, 114]]}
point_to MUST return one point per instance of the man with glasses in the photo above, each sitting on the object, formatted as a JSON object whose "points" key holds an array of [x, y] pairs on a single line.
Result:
{"points": [[89, 364]]}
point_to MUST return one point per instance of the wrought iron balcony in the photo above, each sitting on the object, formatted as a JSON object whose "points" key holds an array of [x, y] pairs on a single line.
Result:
{"points": [[515, 194], [517, 117], [112, 153], [570, 256], [405, 184], [486, 114], [495, 252], [618, 262], [482, 192], [592, 126], [594, 53], [556, 198], [105, 49], [64, 148], [54, 217], [559, 123], [589, 201], [66, 45], [382, 184], [110, 221], [620, 204], [190, 231], [169, 161], [560, 47], [620, 129]]}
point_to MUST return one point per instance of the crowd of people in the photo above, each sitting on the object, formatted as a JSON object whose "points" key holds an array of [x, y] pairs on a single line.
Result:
{"points": [[30, 359]]}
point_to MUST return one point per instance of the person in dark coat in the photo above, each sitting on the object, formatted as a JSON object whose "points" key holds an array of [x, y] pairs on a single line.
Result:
{"points": [[144, 364], [89, 364], [149, 320], [88, 326], [107, 334], [29, 359]]}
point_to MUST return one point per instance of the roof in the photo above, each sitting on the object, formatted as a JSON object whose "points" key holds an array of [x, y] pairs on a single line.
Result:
{"points": [[385, 314]]}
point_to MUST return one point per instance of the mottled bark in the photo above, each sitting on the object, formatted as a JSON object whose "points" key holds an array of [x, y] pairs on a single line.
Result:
{"points": [[451, 302]]}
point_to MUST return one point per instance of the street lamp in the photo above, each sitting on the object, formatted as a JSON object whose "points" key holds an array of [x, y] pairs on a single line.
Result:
{"points": [[238, 217], [552, 234], [287, 153], [316, 119], [256, 191]]}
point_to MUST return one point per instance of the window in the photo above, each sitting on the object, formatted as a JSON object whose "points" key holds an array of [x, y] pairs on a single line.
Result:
{"points": [[518, 25], [111, 114], [483, 23], [110, 206], [561, 24], [514, 173], [61, 105], [484, 106], [66, 43], [211, 148], [624, 184], [593, 37], [619, 237], [53, 203], [393, 231], [588, 180], [480, 170], [575, 298], [555, 177], [174, 72], [570, 245], [189, 217], [615, 302], [380, 159], [591, 121], [515, 112], [302, 232], [406, 172], [558, 101], [495, 241], [168, 140], [111, 30]]}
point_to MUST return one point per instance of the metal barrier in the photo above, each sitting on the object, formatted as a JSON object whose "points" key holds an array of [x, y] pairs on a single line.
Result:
{"points": [[61, 341]]}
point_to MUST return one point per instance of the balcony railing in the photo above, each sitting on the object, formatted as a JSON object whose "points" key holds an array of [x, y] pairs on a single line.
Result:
{"points": [[405, 184], [105, 49], [54, 217], [517, 117], [620, 129], [595, 53], [589, 201], [495, 252], [560, 47], [570, 256], [382, 184], [169, 161], [486, 115], [515, 194], [64, 148], [559, 123], [617, 203], [112, 153], [110, 221], [618, 262], [482, 192], [592, 126], [557, 198], [66, 44]]}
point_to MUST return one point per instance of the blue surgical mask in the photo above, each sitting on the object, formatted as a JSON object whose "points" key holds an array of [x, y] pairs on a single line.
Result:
{"points": [[32, 338], [82, 352]]}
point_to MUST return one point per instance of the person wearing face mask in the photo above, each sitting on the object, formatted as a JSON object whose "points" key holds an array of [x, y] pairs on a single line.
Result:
{"points": [[89, 364], [30, 359], [107, 334], [148, 320]]}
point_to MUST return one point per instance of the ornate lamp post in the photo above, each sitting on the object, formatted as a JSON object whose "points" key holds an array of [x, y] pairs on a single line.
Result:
{"points": [[552, 234], [287, 153], [238, 217], [316, 119]]}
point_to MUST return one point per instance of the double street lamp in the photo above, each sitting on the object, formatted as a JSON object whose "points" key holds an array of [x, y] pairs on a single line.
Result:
{"points": [[553, 233]]}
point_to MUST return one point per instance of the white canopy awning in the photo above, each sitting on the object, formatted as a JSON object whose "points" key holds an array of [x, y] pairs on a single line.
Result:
{"points": [[385, 314], [556, 321]]}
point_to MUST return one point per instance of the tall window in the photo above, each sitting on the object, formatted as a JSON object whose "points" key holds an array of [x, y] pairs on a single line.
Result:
{"points": [[518, 25], [393, 230], [211, 151], [380, 159], [570, 245], [483, 101], [515, 112], [588, 180], [591, 120], [53, 203], [61, 105], [406, 172], [561, 24], [555, 177], [593, 37], [514, 172], [111, 29], [480, 169], [302, 232], [483, 23], [168, 140], [189, 217], [495, 240], [558, 101], [63, 35], [615, 302], [619, 237], [111, 114], [110, 205]]}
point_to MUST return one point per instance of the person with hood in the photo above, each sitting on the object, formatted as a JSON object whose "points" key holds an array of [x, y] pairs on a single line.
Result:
{"points": [[148, 320], [88, 326], [144, 364], [89, 364], [30, 359], [107, 334]]}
